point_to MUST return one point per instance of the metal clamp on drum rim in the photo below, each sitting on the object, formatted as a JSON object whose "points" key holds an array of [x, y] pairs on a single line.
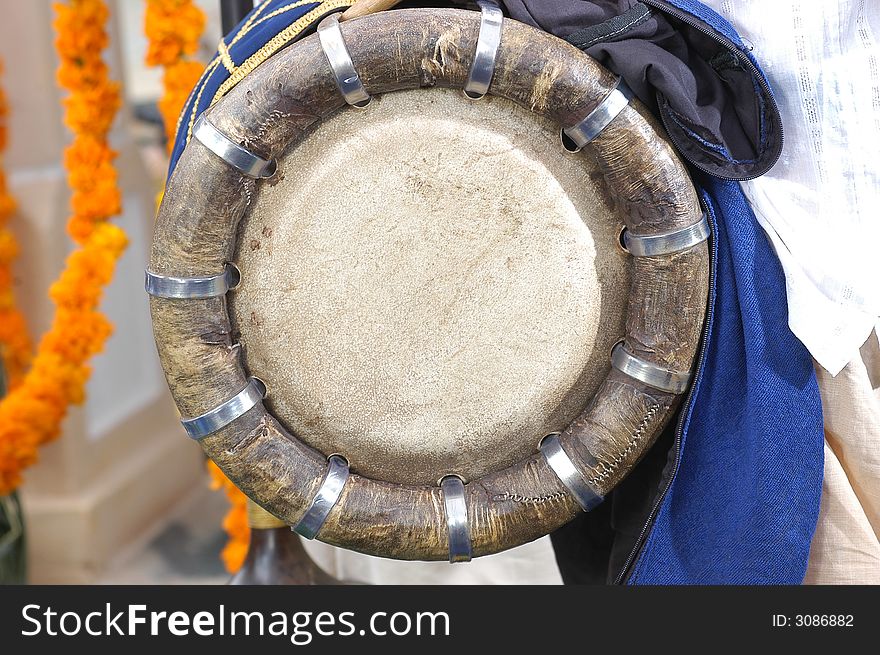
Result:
{"points": [[655, 245], [568, 474], [654, 376], [483, 66], [597, 120], [328, 495], [189, 288], [240, 158], [347, 78], [455, 505], [224, 414]]}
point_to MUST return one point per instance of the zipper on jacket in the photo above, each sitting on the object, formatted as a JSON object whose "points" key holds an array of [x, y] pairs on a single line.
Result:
{"points": [[683, 415], [698, 25]]}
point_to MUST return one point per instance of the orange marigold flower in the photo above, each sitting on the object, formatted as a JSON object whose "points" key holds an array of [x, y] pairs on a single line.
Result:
{"points": [[33, 411], [173, 28], [15, 344], [180, 78], [235, 523], [92, 110]]}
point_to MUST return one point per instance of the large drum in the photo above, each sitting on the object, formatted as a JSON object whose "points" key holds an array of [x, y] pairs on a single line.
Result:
{"points": [[415, 322]]}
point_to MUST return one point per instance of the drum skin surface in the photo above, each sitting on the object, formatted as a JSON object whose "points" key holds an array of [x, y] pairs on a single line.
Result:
{"points": [[431, 286]]}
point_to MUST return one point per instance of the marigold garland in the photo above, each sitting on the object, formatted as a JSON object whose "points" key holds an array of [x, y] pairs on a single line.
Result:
{"points": [[32, 413], [235, 523], [173, 29], [15, 344]]}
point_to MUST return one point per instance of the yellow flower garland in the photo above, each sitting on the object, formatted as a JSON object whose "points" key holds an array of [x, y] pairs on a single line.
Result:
{"points": [[32, 413], [173, 29], [15, 344]]}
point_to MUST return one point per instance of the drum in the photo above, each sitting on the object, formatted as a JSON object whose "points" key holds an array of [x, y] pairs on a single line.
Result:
{"points": [[416, 322]]}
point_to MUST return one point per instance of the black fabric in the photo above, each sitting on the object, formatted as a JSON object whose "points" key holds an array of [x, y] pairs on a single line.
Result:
{"points": [[710, 98], [593, 34]]}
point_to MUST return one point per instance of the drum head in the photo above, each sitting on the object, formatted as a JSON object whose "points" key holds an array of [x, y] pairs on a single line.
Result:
{"points": [[430, 286]]}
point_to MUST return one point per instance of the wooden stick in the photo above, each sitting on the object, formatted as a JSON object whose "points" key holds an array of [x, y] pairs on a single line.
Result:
{"points": [[365, 7]]}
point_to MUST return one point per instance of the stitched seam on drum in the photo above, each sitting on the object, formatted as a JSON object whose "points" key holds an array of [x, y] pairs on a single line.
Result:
{"points": [[274, 116], [529, 500], [275, 44], [248, 193], [608, 469]]}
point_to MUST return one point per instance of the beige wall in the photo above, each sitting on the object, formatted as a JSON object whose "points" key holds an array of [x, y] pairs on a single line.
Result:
{"points": [[123, 460]]}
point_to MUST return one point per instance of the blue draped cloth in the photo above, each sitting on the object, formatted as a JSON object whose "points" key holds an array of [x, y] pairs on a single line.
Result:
{"points": [[743, 507]]}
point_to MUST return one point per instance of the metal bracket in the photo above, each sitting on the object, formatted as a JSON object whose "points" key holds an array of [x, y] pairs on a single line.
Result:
{"points": [[455, 504], [483, 66], [328, 495], [224, 414], [568, 474], [655, 245], [597, 120], [347, 78], [188, 288], [654, 376], [240, 158]]}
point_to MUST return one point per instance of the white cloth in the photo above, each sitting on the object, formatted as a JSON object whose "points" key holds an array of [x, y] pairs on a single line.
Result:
{"points": [[846, 546], [530, 564], [820, 204]]}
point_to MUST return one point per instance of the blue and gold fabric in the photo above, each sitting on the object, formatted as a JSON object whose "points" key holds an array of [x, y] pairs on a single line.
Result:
{"points": [[271, 26]]}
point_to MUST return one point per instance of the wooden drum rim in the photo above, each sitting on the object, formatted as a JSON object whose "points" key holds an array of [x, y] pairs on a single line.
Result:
{"points": [[273, 108]]}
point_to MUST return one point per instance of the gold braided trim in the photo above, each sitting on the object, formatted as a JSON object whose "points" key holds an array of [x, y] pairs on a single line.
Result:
{"points": [[276, 43], [223, 51], [195, 105], [260, 519], [212, 65], [209, 69], [238, 73], [247, 26], [282, 10]]}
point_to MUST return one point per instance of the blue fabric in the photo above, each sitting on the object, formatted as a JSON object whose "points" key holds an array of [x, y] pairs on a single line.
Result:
{"points": [[744, 504], [264, 22]]}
